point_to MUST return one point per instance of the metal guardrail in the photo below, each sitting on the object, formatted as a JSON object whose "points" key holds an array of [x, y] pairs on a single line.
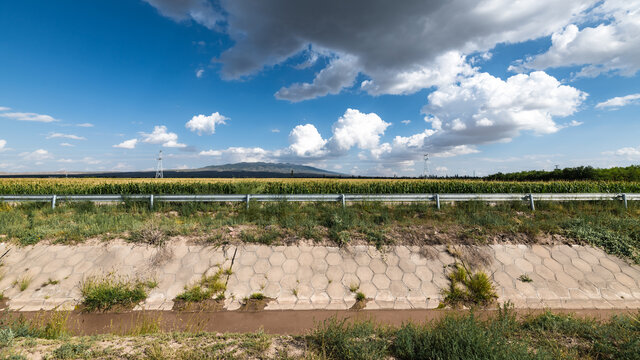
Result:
{"points": [[343, 198]]}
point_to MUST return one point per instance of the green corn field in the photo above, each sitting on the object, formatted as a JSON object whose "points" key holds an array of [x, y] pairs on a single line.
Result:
{"points": [[94, 186]]}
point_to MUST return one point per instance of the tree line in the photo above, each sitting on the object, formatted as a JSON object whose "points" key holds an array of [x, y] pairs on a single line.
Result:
{"points": [[629, 173]]}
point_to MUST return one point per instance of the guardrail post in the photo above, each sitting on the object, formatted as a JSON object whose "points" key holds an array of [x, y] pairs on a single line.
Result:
{"points": [[247, 200], [531, 203], [53, 201], [624, 199], [151, 201], [438, 201], [344, 201]]}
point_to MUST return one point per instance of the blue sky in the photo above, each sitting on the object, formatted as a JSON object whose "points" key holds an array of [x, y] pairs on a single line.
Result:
{"points": [[364, 88]]}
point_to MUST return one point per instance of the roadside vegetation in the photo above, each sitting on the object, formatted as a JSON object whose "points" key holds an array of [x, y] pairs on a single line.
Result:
{"points": [[60, 186], [605, 224], [464, 336]]}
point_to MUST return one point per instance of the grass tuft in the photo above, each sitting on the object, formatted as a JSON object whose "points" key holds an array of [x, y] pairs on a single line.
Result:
{"points": [[105, 293], [23, 282], [206, 288], [468, 288], [525, 278]]}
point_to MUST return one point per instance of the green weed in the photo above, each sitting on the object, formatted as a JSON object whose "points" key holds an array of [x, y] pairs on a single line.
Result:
{"points": [[468, 288], [107, 292]]}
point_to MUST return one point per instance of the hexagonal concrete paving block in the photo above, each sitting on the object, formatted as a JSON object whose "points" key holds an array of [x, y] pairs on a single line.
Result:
{"points": [[364, 274], [377, 266], [277, 259], [381, 281]]}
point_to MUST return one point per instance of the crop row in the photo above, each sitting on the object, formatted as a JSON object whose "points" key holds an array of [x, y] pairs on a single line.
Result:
{"points": [[302, 186]]}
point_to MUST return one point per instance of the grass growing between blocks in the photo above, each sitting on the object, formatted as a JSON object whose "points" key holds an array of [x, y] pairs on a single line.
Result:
{"points": [[112, 292], [208, 287]]}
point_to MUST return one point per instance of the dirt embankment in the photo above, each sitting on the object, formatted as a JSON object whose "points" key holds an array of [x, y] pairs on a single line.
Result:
{"points": [[294, 322]]}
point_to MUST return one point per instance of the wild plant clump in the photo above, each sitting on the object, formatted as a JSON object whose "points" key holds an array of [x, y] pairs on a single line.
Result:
{"points": [[105, 293], [205, 289], [467, 288], [150, 234]]}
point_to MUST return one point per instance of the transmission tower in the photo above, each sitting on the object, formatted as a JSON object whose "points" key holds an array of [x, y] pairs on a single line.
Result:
{"points": [[425, 170], [159, 171]]}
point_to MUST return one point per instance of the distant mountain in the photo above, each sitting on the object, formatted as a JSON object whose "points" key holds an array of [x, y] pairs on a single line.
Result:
{"points": [[239, 170], [264, 167]]}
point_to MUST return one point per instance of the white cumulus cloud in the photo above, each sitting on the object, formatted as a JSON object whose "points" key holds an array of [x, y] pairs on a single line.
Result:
{"points": [[610, 45], [127, 144], [211, 153], [355, 128], [627, 152], [206, 124], [37, 155], [305, 141], [160, 135], [3, 144], [483, 108], [620, 101]]}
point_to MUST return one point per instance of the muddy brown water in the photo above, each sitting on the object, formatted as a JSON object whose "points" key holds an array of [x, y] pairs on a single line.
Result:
{"points": [[292, 322]]}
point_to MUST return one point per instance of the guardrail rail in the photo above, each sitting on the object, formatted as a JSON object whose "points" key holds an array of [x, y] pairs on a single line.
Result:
{"points": [[343, 198]]}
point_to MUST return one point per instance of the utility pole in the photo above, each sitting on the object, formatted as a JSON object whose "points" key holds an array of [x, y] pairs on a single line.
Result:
{"points": [[425, 170], [159, 170]]}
